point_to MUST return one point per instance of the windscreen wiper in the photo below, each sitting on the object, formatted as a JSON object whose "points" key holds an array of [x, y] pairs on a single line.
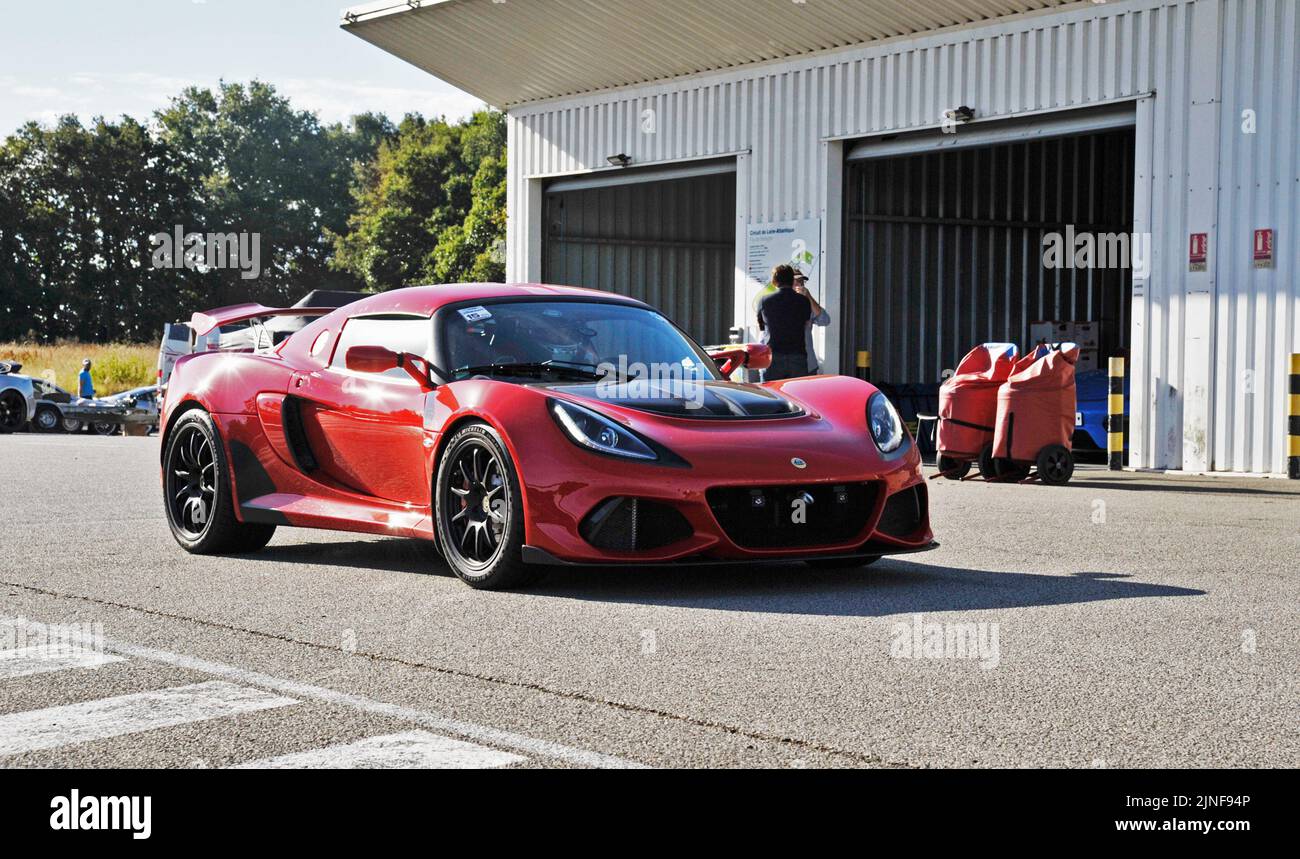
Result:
{"points": [[587, 372]]}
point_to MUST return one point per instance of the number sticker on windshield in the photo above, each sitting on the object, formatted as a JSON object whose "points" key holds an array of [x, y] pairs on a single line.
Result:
{"points": [[476, 314]]}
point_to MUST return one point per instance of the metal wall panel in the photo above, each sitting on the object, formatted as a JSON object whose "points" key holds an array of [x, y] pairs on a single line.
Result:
{"points": [[943, 250], [670, 244], [781, 118], [1258, 309]]}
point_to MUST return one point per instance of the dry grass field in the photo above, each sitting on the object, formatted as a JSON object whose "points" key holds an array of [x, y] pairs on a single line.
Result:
{"points": [[115, 367]]}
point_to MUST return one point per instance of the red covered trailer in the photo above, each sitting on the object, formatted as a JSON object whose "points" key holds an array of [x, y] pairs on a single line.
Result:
{"points": [[968, 405], [1036, 416]]}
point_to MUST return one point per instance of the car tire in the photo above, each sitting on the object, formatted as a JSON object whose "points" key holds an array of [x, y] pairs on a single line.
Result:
{"points": [[198, 496], [104, 429], [841, 563], [13, 411], [1055, 465], [48, 419], [479, 511], [953, 469], [72, 426]]}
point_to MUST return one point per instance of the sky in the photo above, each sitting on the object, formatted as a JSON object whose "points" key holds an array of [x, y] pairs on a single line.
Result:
{"points": [[115, 57]]}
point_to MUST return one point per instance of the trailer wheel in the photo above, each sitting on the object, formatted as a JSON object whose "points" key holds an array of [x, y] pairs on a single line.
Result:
{"points": [[988, 466], [1055, 465], [1009, 470], [48, 419], [953, 469]]}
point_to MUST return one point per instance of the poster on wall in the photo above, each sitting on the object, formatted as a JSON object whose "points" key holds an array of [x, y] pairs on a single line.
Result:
{"points": [[797, 243]]}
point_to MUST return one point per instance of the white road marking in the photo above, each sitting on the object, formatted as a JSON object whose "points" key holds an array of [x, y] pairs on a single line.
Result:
{"points": [[46, 658], [129, 714], [411, 750], [424, 718]]}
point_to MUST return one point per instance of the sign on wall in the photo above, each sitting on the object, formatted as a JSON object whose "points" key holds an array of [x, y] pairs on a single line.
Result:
{"points": [[1198, 253], [797, 243], [1263, 248]]}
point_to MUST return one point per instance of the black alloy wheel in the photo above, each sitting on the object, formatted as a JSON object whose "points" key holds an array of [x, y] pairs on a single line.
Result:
{"points": [[192, 482], [13, 411], [479, 511], [198, 495]]}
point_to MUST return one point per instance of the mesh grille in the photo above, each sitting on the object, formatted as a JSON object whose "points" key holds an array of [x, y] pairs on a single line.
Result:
{"points": [[905, 512], [634, 525]]}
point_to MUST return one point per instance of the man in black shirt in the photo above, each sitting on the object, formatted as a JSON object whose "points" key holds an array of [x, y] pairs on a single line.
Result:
{"points": [[787, 316]]}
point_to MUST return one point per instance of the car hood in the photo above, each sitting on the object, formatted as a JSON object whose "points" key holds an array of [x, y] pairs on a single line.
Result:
{"points": [[700, 400]]}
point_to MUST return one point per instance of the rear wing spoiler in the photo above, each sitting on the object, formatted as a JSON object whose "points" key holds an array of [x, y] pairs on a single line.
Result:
{"points": [[210, 320]]}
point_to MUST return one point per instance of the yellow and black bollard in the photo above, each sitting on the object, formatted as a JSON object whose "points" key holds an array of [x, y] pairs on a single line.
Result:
{"points": [[1293, 419], [1115, 423], [864, 366]]}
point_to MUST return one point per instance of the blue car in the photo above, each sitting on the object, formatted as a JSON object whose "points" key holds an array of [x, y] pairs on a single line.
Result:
{"points": [[1094, 406]]}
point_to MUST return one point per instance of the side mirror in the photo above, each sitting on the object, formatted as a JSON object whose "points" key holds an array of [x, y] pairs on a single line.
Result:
{"points": [[372, 359], [377, 359], [760, 356], [752, 356]]}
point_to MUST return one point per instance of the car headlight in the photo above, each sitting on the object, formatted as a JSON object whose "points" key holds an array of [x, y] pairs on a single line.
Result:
{"points": [[596, 432], [886, 426]]}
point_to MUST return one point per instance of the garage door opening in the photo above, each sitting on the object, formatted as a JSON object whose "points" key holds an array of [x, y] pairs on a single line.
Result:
{"points": [[669, 242], [944, 250]]}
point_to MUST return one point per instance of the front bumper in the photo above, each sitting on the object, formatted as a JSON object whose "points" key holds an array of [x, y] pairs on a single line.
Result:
{"points": [[564, 493]]}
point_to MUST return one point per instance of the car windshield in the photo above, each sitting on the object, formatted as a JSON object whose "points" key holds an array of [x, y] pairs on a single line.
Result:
{"points": [[567, 340]]}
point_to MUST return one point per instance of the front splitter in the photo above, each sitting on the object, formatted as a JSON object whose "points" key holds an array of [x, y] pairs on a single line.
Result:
{"points": [[543, 558]]}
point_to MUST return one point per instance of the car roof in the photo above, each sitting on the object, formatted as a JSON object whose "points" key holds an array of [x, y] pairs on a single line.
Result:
{"points": [[427, 300]]}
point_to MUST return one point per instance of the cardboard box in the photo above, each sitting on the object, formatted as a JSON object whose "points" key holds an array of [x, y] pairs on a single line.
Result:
{"points": [[1086, 334], [1048, 332], [1089, 359]]}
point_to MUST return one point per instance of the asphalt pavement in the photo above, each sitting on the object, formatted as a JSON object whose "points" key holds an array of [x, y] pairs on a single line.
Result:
{"points": [[1125, 620]]}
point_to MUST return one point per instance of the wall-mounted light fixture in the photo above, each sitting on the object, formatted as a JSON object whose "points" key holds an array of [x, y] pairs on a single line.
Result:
{"points": [[619, 160], [961, 114]]}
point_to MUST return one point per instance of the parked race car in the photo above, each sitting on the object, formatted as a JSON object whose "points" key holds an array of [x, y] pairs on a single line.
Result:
{"points": [[58, 410], [1090, 433], [51, 401], [524, 426], [180, 339], [17, 398], [129, 411]]}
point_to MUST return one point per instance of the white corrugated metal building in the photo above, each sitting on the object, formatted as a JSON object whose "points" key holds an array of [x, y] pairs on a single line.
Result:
{"points": [[742, 120]]}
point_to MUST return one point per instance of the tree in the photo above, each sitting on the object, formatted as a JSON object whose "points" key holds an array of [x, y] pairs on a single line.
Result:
{"points": [[74, 235], [341, 206], [431, 208], [255, 165]]}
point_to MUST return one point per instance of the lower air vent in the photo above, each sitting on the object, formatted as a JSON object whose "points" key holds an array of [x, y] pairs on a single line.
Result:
{"points": [[634, 525], [780, 517], [905, 512]]}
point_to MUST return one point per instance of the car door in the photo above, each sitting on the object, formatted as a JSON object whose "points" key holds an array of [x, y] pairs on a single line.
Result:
{"points": [[366, 430]]}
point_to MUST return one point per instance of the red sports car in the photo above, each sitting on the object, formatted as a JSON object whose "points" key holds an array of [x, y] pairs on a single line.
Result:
{"points": [[523, 426]]}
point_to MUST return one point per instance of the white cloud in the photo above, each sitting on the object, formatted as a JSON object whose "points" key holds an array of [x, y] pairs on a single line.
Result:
{"points": [[139, 94], [335, 100]]}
